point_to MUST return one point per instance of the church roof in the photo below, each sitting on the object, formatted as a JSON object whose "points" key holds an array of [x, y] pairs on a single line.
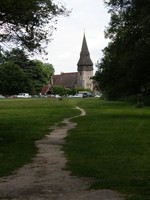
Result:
{"points": [[68, 80], [85, 59], [45, 89]]}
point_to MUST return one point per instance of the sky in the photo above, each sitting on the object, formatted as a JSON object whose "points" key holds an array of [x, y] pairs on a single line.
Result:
{"points": [[87, 16]]}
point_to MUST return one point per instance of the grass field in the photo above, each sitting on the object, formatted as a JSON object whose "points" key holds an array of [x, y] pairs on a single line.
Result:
{"points": [[111, 143], [22, 121]]}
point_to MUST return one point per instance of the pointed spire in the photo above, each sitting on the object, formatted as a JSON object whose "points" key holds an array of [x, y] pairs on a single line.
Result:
{"points": [[84, 50], [85, 59]]}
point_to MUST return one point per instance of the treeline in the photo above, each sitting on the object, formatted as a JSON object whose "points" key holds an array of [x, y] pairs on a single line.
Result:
{"points": [[20, 74], [125, 67], [27, 25]]}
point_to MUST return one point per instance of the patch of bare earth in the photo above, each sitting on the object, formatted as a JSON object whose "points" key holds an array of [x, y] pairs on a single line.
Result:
{"points": [[46, 179]]}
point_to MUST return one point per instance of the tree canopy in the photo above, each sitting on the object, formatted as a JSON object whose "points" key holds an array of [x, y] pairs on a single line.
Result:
{"points": [[125, 67], [20, 74], [28, 23]]}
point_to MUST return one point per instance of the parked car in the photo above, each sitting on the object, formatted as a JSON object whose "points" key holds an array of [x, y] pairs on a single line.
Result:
{"points": [[24, 95], [57, 96], [87, 94], [1, 96], [98, 95], [78, 95]]}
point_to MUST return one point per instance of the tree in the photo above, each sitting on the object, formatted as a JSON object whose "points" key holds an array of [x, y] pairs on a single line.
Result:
{"points": [[1, 56], [27, 23], [18, 57], [39, 74], [60, 90], [13, 80], [29, 77], [47, 69], [124, 69]]}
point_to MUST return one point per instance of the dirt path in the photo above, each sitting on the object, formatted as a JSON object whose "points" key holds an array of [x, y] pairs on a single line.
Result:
{"points": [[45, 179]]}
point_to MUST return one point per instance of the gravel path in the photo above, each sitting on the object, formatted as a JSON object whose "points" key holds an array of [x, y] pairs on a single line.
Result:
{"points": [[45, 179]]}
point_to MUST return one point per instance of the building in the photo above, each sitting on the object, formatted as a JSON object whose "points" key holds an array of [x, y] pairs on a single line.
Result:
{"points": [[81, 78], [85, 67]]}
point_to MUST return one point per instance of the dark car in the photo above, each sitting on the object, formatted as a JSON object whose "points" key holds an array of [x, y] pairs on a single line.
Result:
{"points": [[87, 94]]}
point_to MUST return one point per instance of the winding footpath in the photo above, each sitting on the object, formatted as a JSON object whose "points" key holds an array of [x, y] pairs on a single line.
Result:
{"points": [[46, 179]]}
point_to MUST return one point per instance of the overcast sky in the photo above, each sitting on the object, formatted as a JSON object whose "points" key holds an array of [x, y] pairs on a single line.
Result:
{"points": [[87, 16]]}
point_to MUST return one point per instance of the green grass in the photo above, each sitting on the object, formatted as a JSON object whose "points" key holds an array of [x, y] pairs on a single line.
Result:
{"points": [[22, 121], [112, 144]]}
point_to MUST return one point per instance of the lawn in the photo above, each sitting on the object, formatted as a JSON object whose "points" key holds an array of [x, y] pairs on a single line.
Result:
{"points": [[22, 121], [112, 144]]}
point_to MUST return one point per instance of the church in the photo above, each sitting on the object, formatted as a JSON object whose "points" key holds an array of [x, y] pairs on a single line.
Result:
{"points": [[81, 78]]}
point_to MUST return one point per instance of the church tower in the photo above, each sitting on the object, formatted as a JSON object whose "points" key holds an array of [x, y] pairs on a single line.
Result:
{"points": [[85, 67]]}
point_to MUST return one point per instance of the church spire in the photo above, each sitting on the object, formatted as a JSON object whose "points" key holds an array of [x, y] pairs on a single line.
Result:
{"points": [[85, 62]]}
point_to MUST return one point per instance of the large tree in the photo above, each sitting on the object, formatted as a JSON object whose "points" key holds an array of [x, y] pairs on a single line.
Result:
{"points": [[28, 23], [124, 69], [13, 80], [20, 74]]}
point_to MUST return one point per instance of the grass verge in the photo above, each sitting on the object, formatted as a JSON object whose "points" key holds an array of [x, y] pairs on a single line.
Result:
{"points": [[112, 144]]}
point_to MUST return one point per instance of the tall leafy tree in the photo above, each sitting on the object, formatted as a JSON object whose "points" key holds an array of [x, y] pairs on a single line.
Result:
{"points": [[1, 56], [46, 68], [18, 57], [124, 69], [39, 74], [27, 22], [13, 80], [30, 75]]}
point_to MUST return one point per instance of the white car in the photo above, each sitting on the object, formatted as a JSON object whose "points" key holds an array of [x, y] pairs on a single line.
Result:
{"points": [[24, 95], [78, 95], [57, 96], [1, 96]]}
